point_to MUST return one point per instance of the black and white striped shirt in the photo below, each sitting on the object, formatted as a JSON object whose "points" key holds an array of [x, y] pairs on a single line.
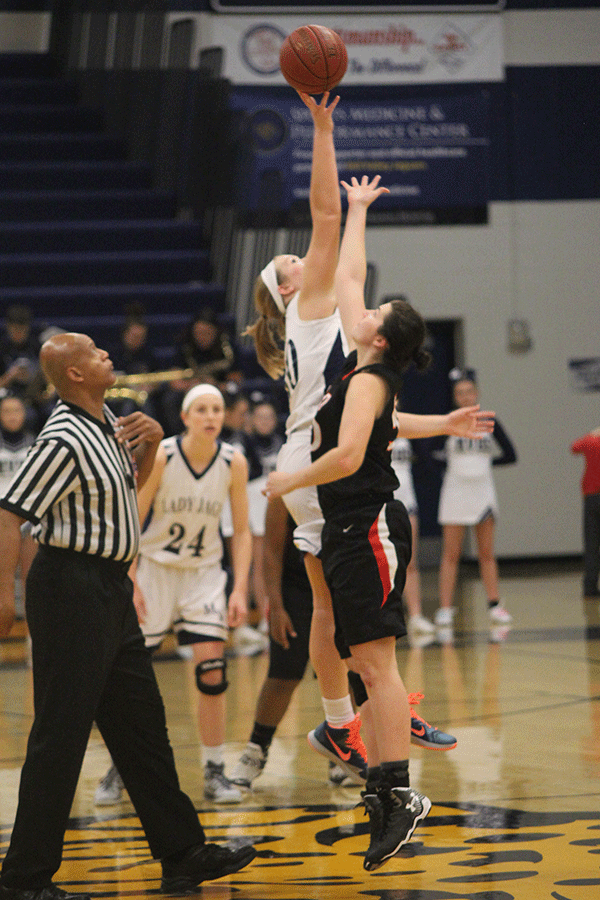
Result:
{"points": [[78, 486]]}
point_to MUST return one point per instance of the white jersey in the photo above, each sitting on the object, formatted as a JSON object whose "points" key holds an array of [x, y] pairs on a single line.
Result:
{"points": [[183, 525], [12, 456], [401, 463], [468, 494], [314, 354]]}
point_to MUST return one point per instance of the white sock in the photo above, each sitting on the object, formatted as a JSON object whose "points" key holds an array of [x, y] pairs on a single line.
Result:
{"points": [[213, 755], [338, 712]]}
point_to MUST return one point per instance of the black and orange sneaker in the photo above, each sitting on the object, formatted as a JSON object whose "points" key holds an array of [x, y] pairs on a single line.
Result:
{"points": [[342, 745], [425, 735]]}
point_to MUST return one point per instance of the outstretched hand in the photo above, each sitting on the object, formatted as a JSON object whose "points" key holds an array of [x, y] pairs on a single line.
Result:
{"points": [[321, 113], [364, 191], [471, 422]]}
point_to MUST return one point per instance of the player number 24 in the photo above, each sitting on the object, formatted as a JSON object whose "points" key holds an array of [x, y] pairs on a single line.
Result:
{"points": [[178, 543]]}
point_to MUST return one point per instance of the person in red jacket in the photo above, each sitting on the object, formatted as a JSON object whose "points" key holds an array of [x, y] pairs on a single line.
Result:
{"points": [[589, 445]]}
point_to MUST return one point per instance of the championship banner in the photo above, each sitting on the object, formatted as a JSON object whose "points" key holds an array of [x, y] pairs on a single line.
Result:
{"points": [[430, 153], [421, 49]]}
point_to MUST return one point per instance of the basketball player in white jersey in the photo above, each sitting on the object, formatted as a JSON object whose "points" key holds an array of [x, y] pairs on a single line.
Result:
{"points": [[180, 581], [296, 302]]}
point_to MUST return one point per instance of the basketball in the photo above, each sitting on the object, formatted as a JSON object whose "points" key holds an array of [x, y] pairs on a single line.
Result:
{"points": [[313, 59]]}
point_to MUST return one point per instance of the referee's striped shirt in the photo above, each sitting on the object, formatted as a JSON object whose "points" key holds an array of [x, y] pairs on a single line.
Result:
{"points": [[78, 486]]}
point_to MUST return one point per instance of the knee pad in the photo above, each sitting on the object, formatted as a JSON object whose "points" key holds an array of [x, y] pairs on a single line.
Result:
{"points": [[210, 665], [358, 688]]}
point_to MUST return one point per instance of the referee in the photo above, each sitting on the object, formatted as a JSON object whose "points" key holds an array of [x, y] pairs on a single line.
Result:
{"points": [[78, 487]]}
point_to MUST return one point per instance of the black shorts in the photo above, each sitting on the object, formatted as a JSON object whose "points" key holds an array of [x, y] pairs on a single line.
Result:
{"points": [[365, 557]]}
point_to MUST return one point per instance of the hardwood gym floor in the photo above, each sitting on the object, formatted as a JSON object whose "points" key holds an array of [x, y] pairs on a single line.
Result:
{"points": [[516, 806]]}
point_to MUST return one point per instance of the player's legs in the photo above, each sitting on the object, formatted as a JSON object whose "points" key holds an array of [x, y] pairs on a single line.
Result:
{"points": [[202, 624], [452, 541], [488, 567], [375, 662], [330, 670]]}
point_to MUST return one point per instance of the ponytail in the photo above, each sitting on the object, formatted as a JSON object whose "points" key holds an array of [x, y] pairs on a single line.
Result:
{"points": [[405, 333], [268, 331]]}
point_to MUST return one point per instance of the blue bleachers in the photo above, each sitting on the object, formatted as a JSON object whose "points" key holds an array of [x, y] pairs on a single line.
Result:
{"points": [[48, 205], [60, 304], [83, 230], [74, 175]]}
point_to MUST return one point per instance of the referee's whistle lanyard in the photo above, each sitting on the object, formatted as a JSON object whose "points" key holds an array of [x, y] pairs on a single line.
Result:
{"points": [[128, 462]]}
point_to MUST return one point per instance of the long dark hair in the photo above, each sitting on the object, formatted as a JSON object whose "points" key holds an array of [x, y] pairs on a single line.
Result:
{"points": [[405, 332]]}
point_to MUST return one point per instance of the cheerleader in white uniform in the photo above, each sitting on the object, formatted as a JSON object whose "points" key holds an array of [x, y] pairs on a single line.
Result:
{"points": [[401, 463], [468, 499]]}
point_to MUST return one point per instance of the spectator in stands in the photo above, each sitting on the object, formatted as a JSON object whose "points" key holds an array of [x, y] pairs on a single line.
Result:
{"points": [[237, 415], [19, 362], [133, 355], [206, 347], [207, 351]]}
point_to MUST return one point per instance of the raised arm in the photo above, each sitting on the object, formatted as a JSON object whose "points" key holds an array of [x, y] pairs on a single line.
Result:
{"points": [[317, 297], [351, 271]]}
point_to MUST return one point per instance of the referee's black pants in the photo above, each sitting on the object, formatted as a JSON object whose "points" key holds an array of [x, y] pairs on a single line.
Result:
{"points": [[90, 663]]}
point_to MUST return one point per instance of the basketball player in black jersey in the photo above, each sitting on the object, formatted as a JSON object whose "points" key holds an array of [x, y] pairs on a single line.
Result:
{"points": [[366, 538]]}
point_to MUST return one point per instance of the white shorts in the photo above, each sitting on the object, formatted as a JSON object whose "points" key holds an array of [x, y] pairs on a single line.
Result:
{"points": [[467, 501], [302, 504], [257, 510], [257, 506], [191, 600], [406, 494]]}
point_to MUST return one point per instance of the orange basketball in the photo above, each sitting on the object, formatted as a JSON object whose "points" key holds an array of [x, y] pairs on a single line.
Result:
{"points": [[313, 59]]}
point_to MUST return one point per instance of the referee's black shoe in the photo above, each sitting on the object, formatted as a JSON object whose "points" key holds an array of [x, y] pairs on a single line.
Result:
{"points": [[203, 863], [51, 892]]}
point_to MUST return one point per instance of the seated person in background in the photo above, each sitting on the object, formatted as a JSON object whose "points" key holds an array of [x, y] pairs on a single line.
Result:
{"points": [[19, 362], [206, 347], [133, 355], [206, 350]]}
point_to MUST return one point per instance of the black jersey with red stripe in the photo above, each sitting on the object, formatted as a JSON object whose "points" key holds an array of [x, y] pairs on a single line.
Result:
{"points": [[375, 481]]}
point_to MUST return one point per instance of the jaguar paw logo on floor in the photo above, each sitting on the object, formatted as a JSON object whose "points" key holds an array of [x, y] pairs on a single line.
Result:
{"points": [[315, 852]]}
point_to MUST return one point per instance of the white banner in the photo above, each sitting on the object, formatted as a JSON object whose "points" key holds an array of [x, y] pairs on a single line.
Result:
{"points": [[419, 49]]}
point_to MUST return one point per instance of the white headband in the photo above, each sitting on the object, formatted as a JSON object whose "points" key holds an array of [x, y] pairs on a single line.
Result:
{"points": [[197, 391], [269, 276]]}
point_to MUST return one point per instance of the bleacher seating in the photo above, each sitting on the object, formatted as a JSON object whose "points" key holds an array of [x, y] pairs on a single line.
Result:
{"points": [[83, 231]]}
